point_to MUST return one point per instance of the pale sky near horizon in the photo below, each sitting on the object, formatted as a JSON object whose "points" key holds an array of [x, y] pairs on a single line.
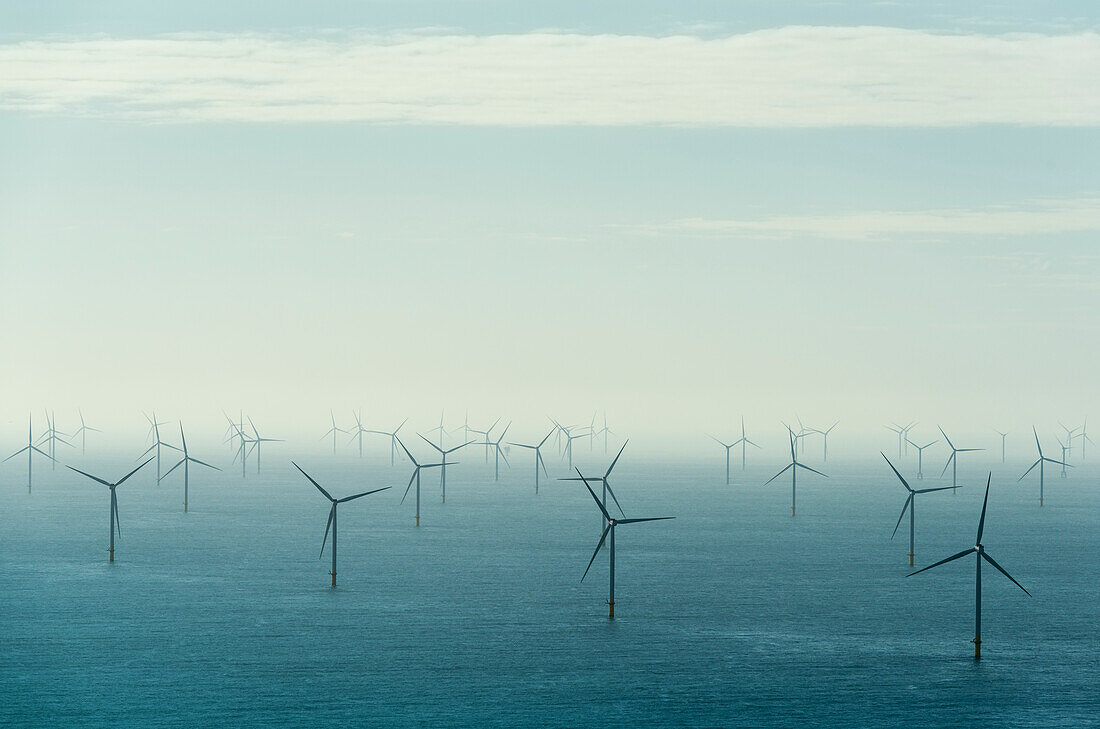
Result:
{"points": [[675, 211]]}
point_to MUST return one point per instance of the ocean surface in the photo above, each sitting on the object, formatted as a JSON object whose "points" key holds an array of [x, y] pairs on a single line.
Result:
{"points": [[734, 614]]}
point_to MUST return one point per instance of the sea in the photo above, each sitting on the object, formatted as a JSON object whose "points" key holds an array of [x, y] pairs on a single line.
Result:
{"points": [[734, 614]]}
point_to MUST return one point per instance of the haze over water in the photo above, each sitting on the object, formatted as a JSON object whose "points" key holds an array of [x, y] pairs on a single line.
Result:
{"points": [[734, 614]]}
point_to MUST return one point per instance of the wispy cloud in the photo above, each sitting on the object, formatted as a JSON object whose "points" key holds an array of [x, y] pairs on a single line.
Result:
{"points": [[1030, 218], [785, 77]]}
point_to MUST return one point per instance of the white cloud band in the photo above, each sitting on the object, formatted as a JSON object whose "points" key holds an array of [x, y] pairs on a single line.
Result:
{"points": [[785, 77]]}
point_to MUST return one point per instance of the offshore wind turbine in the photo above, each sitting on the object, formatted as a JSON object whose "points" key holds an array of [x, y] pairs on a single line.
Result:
{"points": [[83, 431], [185, 462], [1084, 436], [604, 431], [979, 550], [359, 430], [1042, 459], [331, 431], [51, 438], [538, 456], [157, 443], [443, 466], [606, 486], [609, 529], [393, 438], [825, 438], [484, 434], [1003, 436], [1069, 438], [727, 446], [743, 441], [31, 449], [441, 430], [114, 502], [903, 435], [417, 466], [257, 440], [1064, 447], [910, 504], [794, 465], [498, 452], [920, 456], [953, 460], [569, 438], [332, 516]]}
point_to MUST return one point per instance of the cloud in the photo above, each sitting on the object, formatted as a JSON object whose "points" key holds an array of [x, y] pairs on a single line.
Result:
{"points": [[785, 77], [1042, 217]]}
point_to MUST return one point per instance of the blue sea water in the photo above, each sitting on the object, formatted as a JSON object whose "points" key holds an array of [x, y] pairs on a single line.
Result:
{"points": [[735, 614]]}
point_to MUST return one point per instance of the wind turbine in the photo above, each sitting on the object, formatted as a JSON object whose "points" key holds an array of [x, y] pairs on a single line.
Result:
{"points": [[444, 464], [332, 516], [157, 443], [538, 456], [952, 460], [606, 486], [610, 530], [743, 441], [441, 431], [979, 550], [1042, 459], [242, 450], [257, 440], [1062, 473], [484, 434], [1084, 436], [1069, 438], [52, 437], [727, 446], [825, 437], [415, 477], [903, 435], [498, 452], [114, 502], [331, 431], [31, 449], [794, 465], [82, 431], [920, 456], [1003, 436], [359, 430], [569, 438], [910, 504], [185, 462], [604, 431], [393, 438]]}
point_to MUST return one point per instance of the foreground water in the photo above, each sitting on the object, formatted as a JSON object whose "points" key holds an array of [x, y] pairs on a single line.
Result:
{"points": [[734, 614]]}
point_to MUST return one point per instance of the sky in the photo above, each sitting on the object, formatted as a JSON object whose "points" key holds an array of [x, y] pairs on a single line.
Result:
{"points": [[676, 212]]}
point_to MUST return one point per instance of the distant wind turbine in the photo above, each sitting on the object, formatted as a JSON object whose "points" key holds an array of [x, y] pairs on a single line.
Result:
{"points": [[51, 438], [31, 449], [83, 431], [332, 516], [392, 435], [114, 503], [979, 551], [953, 460], [359, 430], [154, 426], [744, 441], [417, 466], [498, 452], [1042, 460], [439, 428], [538, 456], [1084, 436], [727, 446], [920, 456], [610, 530], [794, 465], [443, 466], [185, 462], [257, 441], [1003, 436], [825, 437], [910, 504], [331, 431]]}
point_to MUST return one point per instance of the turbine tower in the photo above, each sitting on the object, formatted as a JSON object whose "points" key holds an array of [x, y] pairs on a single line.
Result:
{"points": [[910, 504], [83, 431], [953, 460], [979, 551], [744, 441], [331, 431], [920, 457], [610, 530], [154, 429], [417, 466], [1003, 436], [31, 449], [727, 446], [185, 462], [443, 466], [332, 516], [794, 465], [114, 526], [538, 456], [1042, 459], [392, 434]]}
